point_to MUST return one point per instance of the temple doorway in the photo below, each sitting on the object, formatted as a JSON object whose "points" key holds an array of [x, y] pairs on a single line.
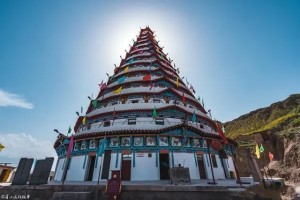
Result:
{"points": [[126, 167], [106, 164], [90, 168], [201, 166], [164, 166]]}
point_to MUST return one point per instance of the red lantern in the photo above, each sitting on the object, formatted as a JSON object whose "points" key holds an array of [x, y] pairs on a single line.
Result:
{"points": [[216, 145]]}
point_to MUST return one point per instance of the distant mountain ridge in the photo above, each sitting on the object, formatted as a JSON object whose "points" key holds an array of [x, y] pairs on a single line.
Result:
{"points": [[282, 115]]}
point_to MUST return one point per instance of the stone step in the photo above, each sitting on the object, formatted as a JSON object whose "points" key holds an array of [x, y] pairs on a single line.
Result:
{"points": [[71, 195]]}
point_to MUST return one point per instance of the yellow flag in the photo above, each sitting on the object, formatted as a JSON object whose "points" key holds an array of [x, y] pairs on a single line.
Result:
{"points": [[177, 82], [118, 90], [126, 69], [157, 50], [83, 120], [1, 146], [257, 152]]}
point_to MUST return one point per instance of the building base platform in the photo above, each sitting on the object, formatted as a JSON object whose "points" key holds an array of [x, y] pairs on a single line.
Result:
{"points": [[146, 190]]}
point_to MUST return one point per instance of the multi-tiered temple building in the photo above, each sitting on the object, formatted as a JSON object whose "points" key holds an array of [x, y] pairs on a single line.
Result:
{"points": [[144, 121]]}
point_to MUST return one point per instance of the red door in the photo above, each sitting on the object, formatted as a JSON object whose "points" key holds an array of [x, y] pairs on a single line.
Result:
{"points": [[201, 167], [126, 168]]}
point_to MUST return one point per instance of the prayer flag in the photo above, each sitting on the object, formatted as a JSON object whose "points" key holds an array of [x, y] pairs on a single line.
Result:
{"points": [[121, 80], [187, 81], [131, 61], [70, 148], [271, 156], [202, 102], [77, 113], [81, 109], [154, 114], [147, 77], [261, 148], [83, 120], [194, 117], [177, 82], [183, 98], [100, 84], [118, 90], [1, 147], [192, 89], [221, 133], [103, 86], [95, 102], [126, 69], [69, 130], [257, 152]]}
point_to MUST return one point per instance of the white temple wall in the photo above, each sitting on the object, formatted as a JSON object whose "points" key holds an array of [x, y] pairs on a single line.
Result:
{"points": [[186, 160], [145, 167], [76, 171], [219, 171], [59, 170]]}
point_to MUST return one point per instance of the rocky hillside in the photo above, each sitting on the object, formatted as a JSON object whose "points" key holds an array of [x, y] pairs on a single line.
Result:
{"points": [[277, 128], [279, 116]]}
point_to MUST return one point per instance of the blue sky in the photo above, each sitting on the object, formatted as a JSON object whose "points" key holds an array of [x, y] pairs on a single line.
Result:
{"points": [[238, 55]]}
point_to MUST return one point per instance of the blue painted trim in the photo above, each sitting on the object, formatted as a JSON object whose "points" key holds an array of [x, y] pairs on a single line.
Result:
{"points": [[195, 156], [117, 159], [84, 162]]}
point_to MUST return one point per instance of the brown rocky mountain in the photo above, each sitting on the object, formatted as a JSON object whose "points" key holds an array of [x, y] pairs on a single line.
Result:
{"points": [[277, 128]]}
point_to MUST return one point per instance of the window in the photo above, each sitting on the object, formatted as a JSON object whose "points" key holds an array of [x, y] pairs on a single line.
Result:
{"points": [[163, 141], [159, 121], [161, 85], [214, 161], [125, 141], [114, 142], [107, 123], [176, 141], [83, 145], [134, 101], [150, 141], [131, 121], [156, 101], [114, 103], [92, 144], [138, 141], [76, 146]]}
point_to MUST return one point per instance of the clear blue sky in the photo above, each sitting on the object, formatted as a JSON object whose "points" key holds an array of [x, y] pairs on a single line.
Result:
{"points": [[238, 55]]}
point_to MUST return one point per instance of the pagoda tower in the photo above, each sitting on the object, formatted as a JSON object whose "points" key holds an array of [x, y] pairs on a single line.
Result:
{"points": [[144, 121]]}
